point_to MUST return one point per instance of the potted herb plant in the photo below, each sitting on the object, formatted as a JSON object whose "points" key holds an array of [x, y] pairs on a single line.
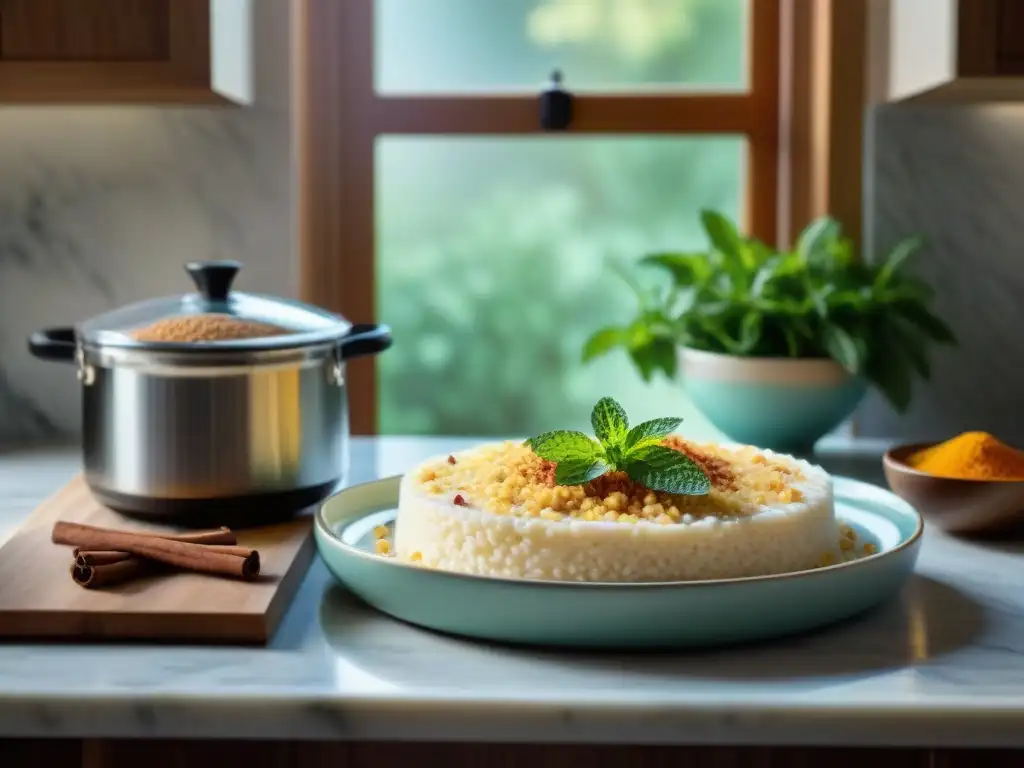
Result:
{"points": [[775, 347]]}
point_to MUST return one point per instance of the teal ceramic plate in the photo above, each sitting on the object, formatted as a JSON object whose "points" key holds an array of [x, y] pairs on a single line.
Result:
{"points": [[675, 614]]}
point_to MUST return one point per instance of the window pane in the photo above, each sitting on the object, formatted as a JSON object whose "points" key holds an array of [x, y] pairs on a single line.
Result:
{"points": [[492, 269], [434, 46]]}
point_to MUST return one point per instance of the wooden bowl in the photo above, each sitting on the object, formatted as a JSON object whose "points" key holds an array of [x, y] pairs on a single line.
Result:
{"points": [[958, 506]]}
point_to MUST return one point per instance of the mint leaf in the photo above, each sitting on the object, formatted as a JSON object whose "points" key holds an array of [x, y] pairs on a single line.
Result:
{"points": [[655, 355], [926, 322], [604, 341], [562, 445], [842, 347], [722, 234], [662, 469], [817, 239], [579, 472], [653, 430], [896, 259], [686, 268], [609, 421]]}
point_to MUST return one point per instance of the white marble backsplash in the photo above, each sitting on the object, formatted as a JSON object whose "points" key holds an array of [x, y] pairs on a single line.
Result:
{"points": [[102, 206], [955, 175]]}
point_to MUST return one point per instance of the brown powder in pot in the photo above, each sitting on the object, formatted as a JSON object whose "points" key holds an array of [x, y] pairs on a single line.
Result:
{"points": [[206, 327]]}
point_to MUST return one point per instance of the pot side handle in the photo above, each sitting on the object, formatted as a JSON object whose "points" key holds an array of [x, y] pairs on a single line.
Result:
{"points": [[365, 339], [53, 344]]}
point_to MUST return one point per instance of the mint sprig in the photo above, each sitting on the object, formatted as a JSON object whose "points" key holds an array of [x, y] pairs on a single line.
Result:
{"points": [[637, 452]]}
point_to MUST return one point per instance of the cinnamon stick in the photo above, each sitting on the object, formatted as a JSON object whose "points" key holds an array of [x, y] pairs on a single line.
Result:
{"points": [[215, 536], [86, 557], [93, 569], [237, 561], [100, 557], [87, 562], [106, 574]]}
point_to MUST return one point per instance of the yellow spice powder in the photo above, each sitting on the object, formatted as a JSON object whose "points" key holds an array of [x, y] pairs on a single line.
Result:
{"points": [[971, 456]]}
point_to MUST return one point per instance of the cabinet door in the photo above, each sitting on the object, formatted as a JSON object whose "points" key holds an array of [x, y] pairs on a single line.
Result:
{"points": [[1011, 37], [96, 51], [990, 38]]}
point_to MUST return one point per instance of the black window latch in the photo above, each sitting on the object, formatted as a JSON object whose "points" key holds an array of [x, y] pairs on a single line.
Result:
{"points": [[555, 105]]}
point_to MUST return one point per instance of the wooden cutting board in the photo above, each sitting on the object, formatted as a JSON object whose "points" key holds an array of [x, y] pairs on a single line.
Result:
{"points": [[39, 600]]}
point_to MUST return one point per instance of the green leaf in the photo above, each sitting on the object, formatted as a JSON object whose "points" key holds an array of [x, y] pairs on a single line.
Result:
{"points": [[819, 300], [792, 343], [765, 274], [777, 276], [851, 299], [722, 234], [906, 289], [643, 296], [758, 253], [816, 241], [644, 363], [919, 316], [643, 433], [609, 421], [750, 331], [662, 469], [896, 259], [604, 341], [685, 268], [913, 347], [887, 367], [657, 355], [842, 348], [894, 382], [564, 445], [579, 472]]}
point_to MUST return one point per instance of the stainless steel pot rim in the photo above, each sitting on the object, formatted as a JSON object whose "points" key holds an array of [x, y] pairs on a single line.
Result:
{"points": [[291, 341], [185, 358]]}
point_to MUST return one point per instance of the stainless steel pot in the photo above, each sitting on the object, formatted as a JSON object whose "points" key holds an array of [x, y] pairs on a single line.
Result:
{"points": [[226, 432]]}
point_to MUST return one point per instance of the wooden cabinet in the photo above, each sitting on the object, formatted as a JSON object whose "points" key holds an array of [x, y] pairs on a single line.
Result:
{"points": [[971, 53], [123, 51], [990, 38]]}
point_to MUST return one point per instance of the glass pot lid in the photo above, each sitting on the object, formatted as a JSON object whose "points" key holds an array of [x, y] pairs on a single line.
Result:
{"points": [[214, 318]]}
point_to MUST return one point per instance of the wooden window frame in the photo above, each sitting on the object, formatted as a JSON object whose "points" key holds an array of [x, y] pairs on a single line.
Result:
{"points": [[828, 62], [340, 115]]}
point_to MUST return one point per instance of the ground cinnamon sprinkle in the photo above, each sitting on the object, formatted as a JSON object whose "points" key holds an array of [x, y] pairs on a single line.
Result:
{"points": [[539, 472], [609, 483], [717, 469]]}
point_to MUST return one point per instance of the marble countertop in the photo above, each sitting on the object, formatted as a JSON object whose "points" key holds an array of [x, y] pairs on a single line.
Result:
{"points": [[940, 665]]}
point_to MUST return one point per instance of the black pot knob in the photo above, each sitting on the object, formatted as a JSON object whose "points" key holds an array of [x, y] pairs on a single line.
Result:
{"points": [[213, 278]]}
